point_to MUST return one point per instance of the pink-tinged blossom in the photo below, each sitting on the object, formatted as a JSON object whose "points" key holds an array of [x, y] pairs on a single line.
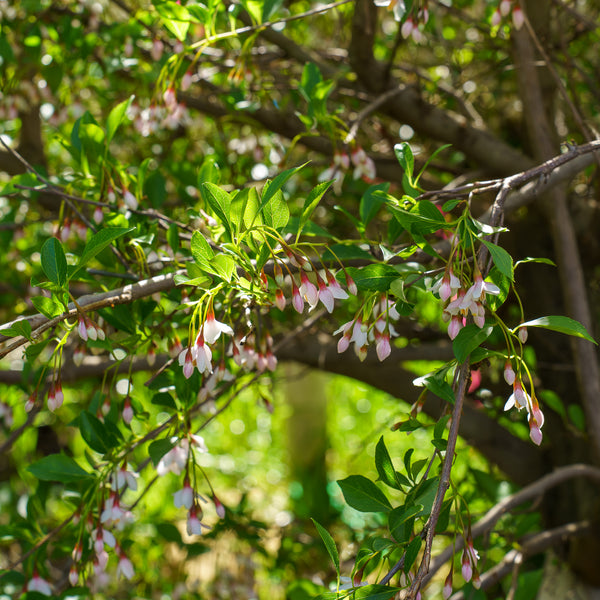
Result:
{"points": [[325, 295], [82, 328], [535, 431], [124, 477], [37, 584], [396, 6], [480, 288], [509, 373], [297, 300], [519, 398], [496, 18], [336, 171], [127, 411], [175, 460], [157, 50], [335, 287], [73, 576], [194, 525], [447, 590], [92, 332], [523, 334], [98, 215], [55, 396], [186, 361], [280, 299], [125, 567], [186, 81], [361, 352], [466, 567], [185, 496], [308, 290], [518, 17], [129, 199], [407, 27], [30, 402], [78, 356], [350, 285], [170, 98], [175, 347], [456, 324], [364, 167], [219, 508], [77, 552], [278, 274], [65, 231], [212, 328], [383, 346], [271, 361], [102, 536], [504, 7], [449, 285], [198, 443], [203, 354]]}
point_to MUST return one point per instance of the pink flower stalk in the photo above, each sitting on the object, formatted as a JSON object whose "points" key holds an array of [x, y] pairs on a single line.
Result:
{"points": [[518, 17], [127, 411], [185, 496], [212, 328], [219, 507], [509, 373], [325, 295], [280, 299], [38, 584], [308, 290], [447, 591], [297, 300]]}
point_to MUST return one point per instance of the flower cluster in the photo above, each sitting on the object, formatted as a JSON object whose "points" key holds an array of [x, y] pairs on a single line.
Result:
{"points": [[506, 7], [176, 459], [364, 168], [459, 303], [379, 329], [410, 27]]}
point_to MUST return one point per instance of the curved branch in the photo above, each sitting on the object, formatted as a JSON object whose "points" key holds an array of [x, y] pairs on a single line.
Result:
{"points": [[532, 491]]}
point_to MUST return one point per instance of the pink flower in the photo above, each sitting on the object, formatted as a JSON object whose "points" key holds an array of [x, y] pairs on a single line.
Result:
{"points": [[383, 346], [187, 362], [518, 17], [297, 300], [325, 295], [535, 431], [509, 374], [351, 285], [447, 591], [55, 396], [78, 356], [124, 477], [170, 98], [157, 50], [98, 215], [450, 284], [185, 496], [496, 18], [212, 328], [308, 290], [194, 525], [124, 567], [37, 584], [186, 81], [175, 460], [127, 411], [219, 508], [456, 324], [203, 353], [73, 575], [364, 167], [519, 398], [335, 287], [523, 334], [407, 27], [279, 299], [82, 328], [467, 568]]}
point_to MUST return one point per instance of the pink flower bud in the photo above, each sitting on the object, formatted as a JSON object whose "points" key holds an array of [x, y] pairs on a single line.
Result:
{"points": [[186, 81], [518, 17], [73, 576], [219, 508], [509, 374], [351, 285], [127, 411], [280, 300], [523, 334]]}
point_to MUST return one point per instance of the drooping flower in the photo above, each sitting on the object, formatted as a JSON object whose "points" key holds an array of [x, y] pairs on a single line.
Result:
{"points": [[203, 353], [519, 398], [364, 167], [174, 460], [351, 285], [124, 566], [124, 477], [447, 591], [397, 6], [308, 290], [523, 334], [212, 328], [518, 17], [335, 287], [186, 360], [186, 81], [185, 496], [280, 299], [219, 507], [297, 299], [325, 294], [73, 575], [509, 373], [194, 524], [449, 285], [456, 324], [38, 584], [127, 413]]}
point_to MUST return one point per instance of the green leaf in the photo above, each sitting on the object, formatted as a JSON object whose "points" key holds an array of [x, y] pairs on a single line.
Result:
{"points": [[405, 157], [98, 242], [385, 466], [271, 188], [49, 307], [19, 328], [560, 324], [370, 202], [374, 277], [173, 237], [115, 118], [58, 467], [169, 532], [96, 434], [363, 495], [529, 259], [469, 338], [311, 202], [159, 448], [175, 17], [54, 262], [374, 592], [164, 399], [502, 259], [201, 250], [269, 7], [276, 212], [436, 384], [220, 202], [411, 553], [400, 521], [329, 545]]}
